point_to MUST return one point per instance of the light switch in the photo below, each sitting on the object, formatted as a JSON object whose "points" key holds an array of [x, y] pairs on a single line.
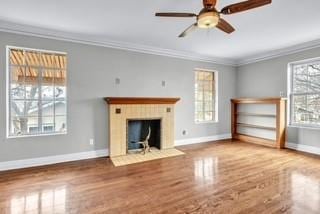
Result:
{"points": [[163, 83], [117, 81]]}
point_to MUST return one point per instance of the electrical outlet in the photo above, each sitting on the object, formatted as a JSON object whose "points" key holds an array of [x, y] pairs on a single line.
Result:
{"points": [[91, 142], [282, 94]]}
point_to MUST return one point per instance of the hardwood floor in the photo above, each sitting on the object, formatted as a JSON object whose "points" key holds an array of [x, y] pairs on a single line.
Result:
{"points": [[219, 177]]}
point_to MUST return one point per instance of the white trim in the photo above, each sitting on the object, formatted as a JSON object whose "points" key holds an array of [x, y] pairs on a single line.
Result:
{"points": [[279, 53], [289, 88], [202, 139], [62, 36], [206, 122], [305, 61], [15, 28], [19, 164], [37, 135], [317, 128], [7, 93], [216, 88], [304, 126], [25, 163], [36, 50], [303, 148]]}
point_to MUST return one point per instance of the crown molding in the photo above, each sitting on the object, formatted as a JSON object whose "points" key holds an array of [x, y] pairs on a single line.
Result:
{"points": [[280, 52], [9, 27], [27, 30]]}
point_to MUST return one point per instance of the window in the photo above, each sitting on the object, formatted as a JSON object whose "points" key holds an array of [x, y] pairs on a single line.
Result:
{"points": [[205, 96], [48, 128], [304, 92], [36, 83], [33, 129]]}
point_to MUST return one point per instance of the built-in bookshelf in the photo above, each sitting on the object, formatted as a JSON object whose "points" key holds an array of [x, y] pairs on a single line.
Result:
{"points": [[259, 120]]}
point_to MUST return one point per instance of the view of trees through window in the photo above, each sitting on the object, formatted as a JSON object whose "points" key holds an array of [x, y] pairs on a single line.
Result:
{"points": [[205, 96], [305, 93], [37, 92]]}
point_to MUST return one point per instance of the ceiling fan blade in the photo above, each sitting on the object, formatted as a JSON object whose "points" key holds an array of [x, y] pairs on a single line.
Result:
{"points": [[188, 30], [209, 3], [225, 26], [176, 14], [243, 6]]}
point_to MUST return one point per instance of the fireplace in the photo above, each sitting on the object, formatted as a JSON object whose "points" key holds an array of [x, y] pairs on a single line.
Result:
{"points": [[138, 130], [130, 119]]}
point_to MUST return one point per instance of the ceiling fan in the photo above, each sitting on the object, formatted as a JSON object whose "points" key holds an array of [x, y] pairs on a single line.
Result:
{"points": [[209, 17]]}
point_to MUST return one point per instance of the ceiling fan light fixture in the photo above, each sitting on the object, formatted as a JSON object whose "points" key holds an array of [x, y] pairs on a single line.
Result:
{"points": [[208, 19]]}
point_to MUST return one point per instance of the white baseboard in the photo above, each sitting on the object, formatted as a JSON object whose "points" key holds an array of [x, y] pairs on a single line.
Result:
{"points": [[303, 148], [202, 139], [25, 163], [294, 146], [19, 164]]}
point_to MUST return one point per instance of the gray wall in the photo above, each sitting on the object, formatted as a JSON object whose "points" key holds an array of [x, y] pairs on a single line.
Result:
{"points": [[91, 76], [267, 79]]}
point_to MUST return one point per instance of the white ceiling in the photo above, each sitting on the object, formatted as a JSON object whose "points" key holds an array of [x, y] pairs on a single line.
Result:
{"points": [[284, 23]]}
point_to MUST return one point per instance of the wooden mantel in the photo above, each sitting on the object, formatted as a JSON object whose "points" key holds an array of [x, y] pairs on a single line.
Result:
{"points": [[141, 100]]}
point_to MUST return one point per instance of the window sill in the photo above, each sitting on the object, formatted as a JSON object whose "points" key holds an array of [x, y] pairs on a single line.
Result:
{"points": [[38, 135], [305, 127], [206, 122]]}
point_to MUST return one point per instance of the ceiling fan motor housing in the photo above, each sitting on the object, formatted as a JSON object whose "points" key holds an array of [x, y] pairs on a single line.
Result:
{"points": [[208, 19]]}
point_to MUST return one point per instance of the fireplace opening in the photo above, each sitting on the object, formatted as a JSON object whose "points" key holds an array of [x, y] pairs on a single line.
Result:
{"points": [[140, 131]]}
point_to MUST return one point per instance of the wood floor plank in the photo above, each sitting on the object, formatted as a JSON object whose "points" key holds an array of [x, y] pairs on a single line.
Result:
{"points": [[222, 177]]}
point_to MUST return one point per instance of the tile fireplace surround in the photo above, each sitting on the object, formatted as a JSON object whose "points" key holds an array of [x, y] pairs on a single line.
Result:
{"points": [[122, 109]]}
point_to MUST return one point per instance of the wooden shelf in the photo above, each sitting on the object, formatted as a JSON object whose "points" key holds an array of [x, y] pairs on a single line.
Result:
{"points": [[279, 116], [269, 100], [256, 115], [255, 140], [257, 126]]}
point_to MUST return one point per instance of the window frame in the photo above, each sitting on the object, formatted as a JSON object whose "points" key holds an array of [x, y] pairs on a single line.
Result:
{"points": [[8, 94], [291, 94], [215, 100]]}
